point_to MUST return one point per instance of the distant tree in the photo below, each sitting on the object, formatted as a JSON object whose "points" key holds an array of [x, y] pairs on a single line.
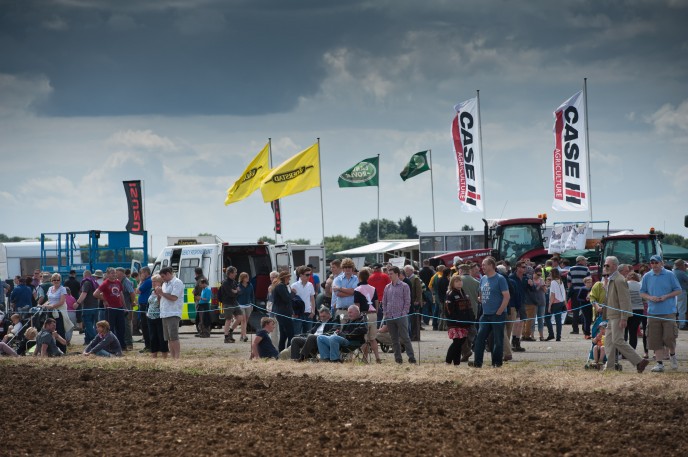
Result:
{"points": [[467, 228], [368, 230], [407, 228], [338, 243], [676, 240], [266, 239], [12, 239]]}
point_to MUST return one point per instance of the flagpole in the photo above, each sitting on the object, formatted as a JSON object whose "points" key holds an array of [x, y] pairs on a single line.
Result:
{"points": [[432, 191], [378, 197], [322, 210], [587, 146], [482, 153], [274, 226]]}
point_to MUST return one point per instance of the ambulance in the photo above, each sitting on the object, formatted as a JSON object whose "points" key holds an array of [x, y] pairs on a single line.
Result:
{"points": [[185, 254]]}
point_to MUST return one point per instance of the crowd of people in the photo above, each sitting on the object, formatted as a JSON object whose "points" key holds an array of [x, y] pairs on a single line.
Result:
{"points": [[492, 307]]}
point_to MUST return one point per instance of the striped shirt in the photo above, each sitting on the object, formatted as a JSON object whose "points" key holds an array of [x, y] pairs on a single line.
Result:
{"points": [[577, 274], [396, 301]]}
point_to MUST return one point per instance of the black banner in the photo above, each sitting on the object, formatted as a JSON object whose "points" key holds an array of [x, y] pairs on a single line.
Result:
{"points": [[278, 216], [135, 203]]}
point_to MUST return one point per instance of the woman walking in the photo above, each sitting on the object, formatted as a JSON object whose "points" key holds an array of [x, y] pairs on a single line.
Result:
{"points": [[557, 304]]}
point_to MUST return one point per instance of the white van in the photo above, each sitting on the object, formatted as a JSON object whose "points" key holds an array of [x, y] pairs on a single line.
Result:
{"points": [[23, 257], [256, 259]]}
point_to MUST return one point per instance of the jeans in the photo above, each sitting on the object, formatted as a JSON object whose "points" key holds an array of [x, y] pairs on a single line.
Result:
{"points": [[117, 320], [540, 319], [286, 331], [556, 311], [427, 306], [88, 320], [328, 346], [298, 323], [586, 311], [104, 353], [494, 324]]}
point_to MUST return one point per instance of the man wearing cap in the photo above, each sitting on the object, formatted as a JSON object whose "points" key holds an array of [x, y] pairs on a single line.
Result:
{"points": [[577, 274], [616, 313], [88, 305], [659, 287], [681, 301]]}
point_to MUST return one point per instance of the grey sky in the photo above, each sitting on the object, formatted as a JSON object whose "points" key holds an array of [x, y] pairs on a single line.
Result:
{"points": [[183, 94]]}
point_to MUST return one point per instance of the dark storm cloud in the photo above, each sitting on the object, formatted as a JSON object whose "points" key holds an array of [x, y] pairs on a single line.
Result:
{"points": [[256, 57]]}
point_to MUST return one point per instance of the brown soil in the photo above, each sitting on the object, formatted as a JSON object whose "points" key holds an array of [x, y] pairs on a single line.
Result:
{"points": [[66, 411]]}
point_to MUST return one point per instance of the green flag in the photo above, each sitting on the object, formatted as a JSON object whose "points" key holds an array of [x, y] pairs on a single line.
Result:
{"points": [[364, 173], [417, 165]]}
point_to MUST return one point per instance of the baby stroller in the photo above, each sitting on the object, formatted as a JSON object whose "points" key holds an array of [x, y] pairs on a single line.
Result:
{"points": [[594, 331]]}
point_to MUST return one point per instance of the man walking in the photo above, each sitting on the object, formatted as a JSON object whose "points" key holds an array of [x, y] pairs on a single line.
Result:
{"points": [[471, 288], [616, 312], [396, 303], [144, 290], [659, 287], [416, 301], [494, 292]]}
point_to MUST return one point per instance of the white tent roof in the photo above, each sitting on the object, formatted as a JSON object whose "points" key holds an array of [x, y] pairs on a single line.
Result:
{"points": [[382, 246]]}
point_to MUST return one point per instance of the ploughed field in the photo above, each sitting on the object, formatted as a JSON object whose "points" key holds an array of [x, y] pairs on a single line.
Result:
{"points": [[89, 410]]}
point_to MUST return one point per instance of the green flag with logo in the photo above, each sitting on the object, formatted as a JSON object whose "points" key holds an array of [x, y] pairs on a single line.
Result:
{"points": [[417, 165], [364, 173]]}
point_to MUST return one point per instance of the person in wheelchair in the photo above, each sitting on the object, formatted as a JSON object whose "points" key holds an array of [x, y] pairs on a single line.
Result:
{"points": [[305, 346], [352, 334]]}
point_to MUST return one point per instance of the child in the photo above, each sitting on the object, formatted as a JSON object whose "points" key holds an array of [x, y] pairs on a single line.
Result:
{"points": [[262, 346], [13, 329], [598, 349], [105, 344], [460, 317]]}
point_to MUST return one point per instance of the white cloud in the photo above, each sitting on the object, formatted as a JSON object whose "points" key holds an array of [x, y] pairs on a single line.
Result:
{"points": [[18, 94], [56, 23], [142, 139], [671, 120]]}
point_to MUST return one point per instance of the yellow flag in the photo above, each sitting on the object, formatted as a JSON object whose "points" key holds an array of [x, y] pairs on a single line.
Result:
{"points": [[300, 172], [251, 178]]}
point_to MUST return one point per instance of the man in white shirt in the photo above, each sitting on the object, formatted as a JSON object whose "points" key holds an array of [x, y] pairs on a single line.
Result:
{"points": [[304, 289], [171, 295]]}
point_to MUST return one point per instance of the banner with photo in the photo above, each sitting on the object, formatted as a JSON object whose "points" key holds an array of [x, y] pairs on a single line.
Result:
{"points": [[567, 237]]}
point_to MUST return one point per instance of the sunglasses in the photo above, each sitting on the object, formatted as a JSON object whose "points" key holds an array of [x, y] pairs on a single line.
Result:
{"points": [[306, 274], [653, 262], [606, 266]]}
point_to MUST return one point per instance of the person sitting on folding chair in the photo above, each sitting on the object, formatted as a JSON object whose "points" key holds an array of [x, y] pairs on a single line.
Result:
{"points": [[352, 333]]}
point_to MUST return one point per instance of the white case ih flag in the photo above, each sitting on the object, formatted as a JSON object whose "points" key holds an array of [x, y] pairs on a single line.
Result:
{"points": [[570, 164], [464, 130]]}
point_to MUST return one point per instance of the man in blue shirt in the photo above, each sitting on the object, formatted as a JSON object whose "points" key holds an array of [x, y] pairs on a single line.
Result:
{"points": [[494, 293], [660, 288], [343, 288]]}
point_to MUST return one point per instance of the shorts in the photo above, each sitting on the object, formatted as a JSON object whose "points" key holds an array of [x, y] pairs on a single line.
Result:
{"points": [[660, 332], [457, 332], [170, 328], [522, 313], [231, 311], [372, 327]]}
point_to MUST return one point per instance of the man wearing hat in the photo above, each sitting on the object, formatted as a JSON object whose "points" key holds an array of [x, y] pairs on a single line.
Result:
{"points": [[659, 287], [577, 274]]}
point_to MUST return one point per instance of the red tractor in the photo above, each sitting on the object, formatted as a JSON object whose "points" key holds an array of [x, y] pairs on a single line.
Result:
{"points": [[506, 239]]}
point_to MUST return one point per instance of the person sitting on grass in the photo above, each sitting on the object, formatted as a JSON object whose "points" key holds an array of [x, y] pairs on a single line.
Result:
{"points": [[262, 347], [105, 344], [46, 341], [598, 350]]}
